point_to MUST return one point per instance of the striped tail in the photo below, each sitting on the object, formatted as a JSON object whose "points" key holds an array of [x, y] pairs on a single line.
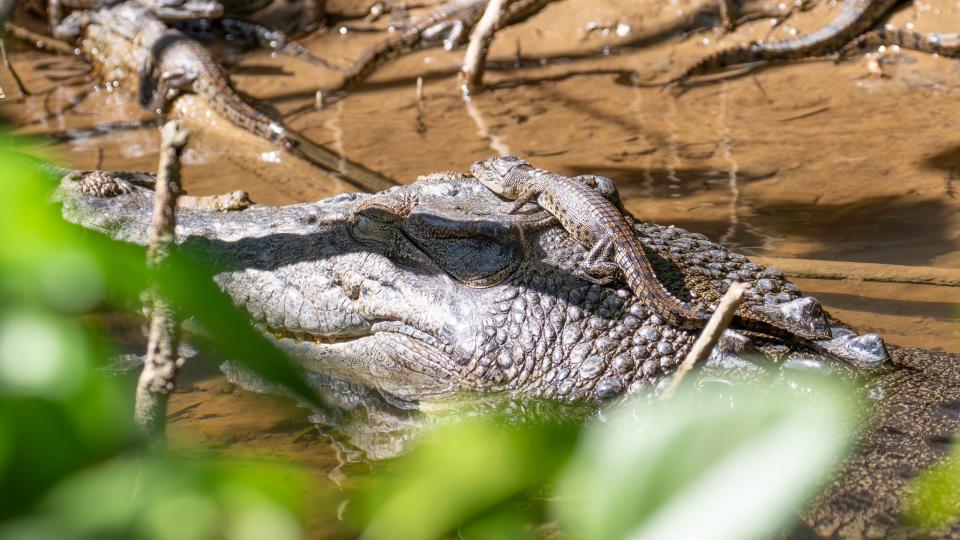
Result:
{"points": [[644, 283], [855, 18], [232, 107], [642, 280], [941, 44], [380, 55]]}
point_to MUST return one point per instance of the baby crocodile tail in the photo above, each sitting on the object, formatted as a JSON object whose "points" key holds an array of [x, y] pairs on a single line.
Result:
{"points": [[941, 44], [642, 280], [215, 88], [639, 275], [856, 17]]}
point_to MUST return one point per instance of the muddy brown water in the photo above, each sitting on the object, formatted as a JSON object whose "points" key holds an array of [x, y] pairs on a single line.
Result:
{"points": [[813, 160]]}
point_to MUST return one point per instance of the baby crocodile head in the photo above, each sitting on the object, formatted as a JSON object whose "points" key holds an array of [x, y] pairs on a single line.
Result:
{"points": [[500, 175]]}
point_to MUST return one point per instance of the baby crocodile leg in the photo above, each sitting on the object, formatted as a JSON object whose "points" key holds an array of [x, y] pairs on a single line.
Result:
{"points": [[598, 265], [524, 198], [147, 86], [453, 32], [157, 90], [169, 85]]}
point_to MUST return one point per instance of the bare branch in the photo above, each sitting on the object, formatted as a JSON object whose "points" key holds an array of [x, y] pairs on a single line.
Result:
{"points": [[475, 58], [40, 41], [159, 373], [711, 333]]}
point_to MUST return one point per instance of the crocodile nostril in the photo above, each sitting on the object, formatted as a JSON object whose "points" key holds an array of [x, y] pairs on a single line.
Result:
{"points": [[352, 291]]}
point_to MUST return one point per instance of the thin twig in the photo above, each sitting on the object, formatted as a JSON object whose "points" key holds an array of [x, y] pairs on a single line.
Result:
{"points": [[475, 58], [711, 334], [40, 41], [21, 90], [159, 373]]}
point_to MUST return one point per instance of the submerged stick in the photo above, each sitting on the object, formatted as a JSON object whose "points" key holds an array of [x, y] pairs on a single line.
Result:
{"points": [[711, 333], [475, 59], [6, 8], [44, 43], [21, 89], [159, 373], [883, 273]]}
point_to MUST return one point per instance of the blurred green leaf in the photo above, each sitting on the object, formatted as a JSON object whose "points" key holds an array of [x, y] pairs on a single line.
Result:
{"points": [[190, 287], [518, 521], [41, 355], [465, 473], [70, 267], [690, 468], [158, 497], [933, 502], [57, 415]]}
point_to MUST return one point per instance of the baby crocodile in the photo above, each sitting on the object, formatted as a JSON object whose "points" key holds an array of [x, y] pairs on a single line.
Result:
{"points": [[176, 63], [583, 207], [130, 38], [171, 62], [856, 17], [453, 19], [940, 44]]}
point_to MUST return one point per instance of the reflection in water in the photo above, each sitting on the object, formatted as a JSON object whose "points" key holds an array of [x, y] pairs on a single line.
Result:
{"points": [[333, 124], [673, 153], [727, 152], [637, 106], [496, 142]]}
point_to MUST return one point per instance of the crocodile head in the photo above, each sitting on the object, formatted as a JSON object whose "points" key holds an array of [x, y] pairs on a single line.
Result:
{"points": [[429, 290], [496, 174]]}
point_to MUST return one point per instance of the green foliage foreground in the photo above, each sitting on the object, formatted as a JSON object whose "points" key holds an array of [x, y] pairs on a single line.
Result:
{"points": [[72, 465]]}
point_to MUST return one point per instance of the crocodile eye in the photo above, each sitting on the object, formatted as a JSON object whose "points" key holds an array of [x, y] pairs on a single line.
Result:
{"points": [[475, 252], [385, 208]]}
